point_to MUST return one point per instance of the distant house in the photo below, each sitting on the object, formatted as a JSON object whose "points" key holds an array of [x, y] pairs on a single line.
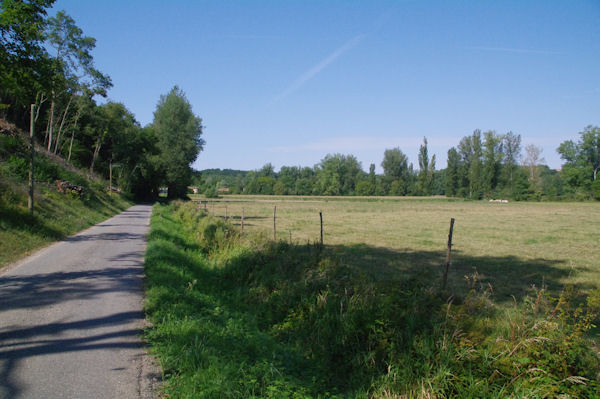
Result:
{"points": [[194, 190], [223, 190]]}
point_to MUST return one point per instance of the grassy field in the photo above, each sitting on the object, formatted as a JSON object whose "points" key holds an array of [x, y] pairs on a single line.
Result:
{"points": [[511, 245], [243, 316]]}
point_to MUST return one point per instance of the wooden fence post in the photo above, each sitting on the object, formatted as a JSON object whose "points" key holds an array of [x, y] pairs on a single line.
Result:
{"points": [[225, 212], [274, 223], [448, 253], [321, 217], [242, 220]]}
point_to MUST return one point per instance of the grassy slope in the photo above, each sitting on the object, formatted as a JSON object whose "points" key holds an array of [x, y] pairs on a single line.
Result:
{"points": [[243, 317], [56, 215]]}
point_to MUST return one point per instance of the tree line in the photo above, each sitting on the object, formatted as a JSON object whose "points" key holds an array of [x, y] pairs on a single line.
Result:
{"points": [[482, 165], [47, 61]]}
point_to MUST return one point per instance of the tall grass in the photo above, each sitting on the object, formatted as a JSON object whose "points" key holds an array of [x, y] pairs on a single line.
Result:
{"points": [[241, 316]]}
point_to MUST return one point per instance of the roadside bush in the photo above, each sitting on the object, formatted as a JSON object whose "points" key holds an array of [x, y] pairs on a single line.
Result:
{"points": [[211, 192]]}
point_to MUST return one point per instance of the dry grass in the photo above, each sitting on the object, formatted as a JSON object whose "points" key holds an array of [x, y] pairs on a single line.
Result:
{"points": [[512, 246]]}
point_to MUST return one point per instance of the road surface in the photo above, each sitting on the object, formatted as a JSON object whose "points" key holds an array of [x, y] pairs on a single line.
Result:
{"points": [[71, 316]]}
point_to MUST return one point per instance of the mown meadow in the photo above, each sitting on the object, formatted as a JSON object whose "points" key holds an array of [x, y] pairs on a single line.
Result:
{"points": [[510, 245], [364, 315]]}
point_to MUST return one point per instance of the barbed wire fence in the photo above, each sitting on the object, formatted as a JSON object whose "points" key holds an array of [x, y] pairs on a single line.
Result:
{"points": [[223, 211]]}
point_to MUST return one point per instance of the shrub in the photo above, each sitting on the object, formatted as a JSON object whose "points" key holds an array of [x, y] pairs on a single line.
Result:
{"points": [[211, 192]]}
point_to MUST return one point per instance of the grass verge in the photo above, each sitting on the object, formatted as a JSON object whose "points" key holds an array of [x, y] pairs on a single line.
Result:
{"points": [[243, 316]]}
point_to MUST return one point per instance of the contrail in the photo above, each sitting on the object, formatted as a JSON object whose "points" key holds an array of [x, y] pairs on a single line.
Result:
{"points": [[312, 72]]}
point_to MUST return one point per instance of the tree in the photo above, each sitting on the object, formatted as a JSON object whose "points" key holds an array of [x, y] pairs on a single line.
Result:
{"points": [[338, 174], [178, 132], [426, 170], [73, 65], [532, 160], [305, 184], [476, 166], [395, 168], [24, 63], [584, 154], [288, 175], [267, 171], [279, 188], [582, 161], [590, 149], [492, 159], [453, 173], [512, 156], [470, 151]]}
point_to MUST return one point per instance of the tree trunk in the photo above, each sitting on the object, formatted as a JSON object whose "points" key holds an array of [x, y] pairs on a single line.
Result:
{"points": [[73, 135], [38, 106], [47, 130], [51, 123], [96, 152], [62, 122]]}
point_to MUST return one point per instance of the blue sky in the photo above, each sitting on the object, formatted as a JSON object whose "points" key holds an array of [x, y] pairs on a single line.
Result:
{"points": [[288, 82]]}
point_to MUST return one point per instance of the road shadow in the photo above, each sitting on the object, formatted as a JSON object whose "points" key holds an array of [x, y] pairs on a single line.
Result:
{"points": [[18, 344], [40, 290], [104, 237], [509, 277]]}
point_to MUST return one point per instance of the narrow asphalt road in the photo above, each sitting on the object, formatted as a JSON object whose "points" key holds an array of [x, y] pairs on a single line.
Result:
{"points": [[71, 316]]}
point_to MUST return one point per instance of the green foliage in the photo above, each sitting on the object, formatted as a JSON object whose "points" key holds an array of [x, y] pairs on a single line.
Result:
{"points": [[23, 61], [72, 53], [178, 132], [492, 160], [511, 147], [395, 168], [211, 192], [47, 61], [242, 316], [453, 171], [338, 174], [426, 171], [582, 161], [365, 187], [476, 168]]}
